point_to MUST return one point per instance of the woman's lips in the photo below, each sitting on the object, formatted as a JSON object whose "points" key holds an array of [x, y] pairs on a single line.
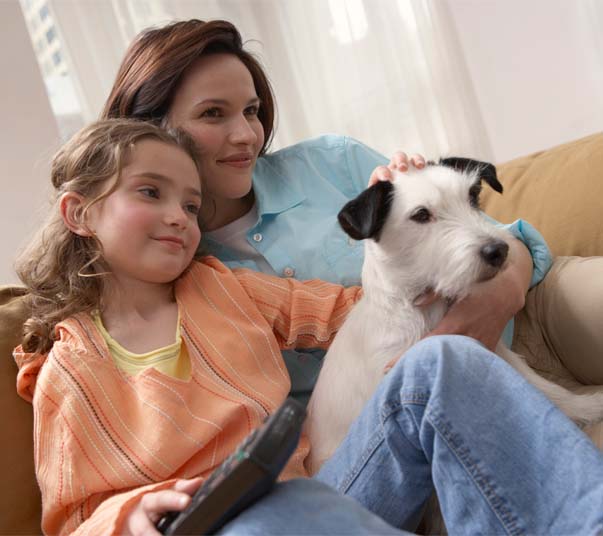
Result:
{"points": [[238, 160]]}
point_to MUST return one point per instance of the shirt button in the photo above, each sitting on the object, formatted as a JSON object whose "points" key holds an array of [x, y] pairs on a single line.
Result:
{"points": [[351, 241], [257, 237], [289, 272]]}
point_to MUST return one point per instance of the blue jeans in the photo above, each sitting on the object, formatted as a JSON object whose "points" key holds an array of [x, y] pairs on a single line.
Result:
{"points": [[453, 416]]}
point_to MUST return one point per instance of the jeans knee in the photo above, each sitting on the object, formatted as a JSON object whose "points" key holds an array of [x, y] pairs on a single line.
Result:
{"points": [[432, 352]]}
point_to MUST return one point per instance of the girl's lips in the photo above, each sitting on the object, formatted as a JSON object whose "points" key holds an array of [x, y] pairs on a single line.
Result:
{"points": [[172, 242]]}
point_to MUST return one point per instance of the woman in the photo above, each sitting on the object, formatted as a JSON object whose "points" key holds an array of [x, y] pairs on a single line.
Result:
{"points": [[277, 212]]}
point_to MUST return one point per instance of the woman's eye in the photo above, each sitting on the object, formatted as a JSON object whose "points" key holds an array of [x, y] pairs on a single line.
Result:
{"points": [[150, 192], [211, 113], [421, 215], [252, 110]]}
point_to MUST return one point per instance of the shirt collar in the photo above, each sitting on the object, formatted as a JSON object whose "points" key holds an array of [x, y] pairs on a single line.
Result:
{"points": [[274, 193]]}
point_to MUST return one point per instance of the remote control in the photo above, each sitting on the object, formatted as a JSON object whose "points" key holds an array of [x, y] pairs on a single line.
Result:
{"points": [[245, 476]]}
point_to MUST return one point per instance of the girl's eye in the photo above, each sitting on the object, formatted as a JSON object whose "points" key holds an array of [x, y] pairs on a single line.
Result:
{"points": [[149, 191], [193, 209], [211, 113]]}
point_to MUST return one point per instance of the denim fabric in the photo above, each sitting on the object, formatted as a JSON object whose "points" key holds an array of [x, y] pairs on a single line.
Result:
{"points": [[502, 458], [452, 415], [309, 508]]}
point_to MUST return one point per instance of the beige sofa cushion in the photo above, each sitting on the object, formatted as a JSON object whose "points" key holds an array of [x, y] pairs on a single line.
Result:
{"points": [[558, 191], [20, 504]]}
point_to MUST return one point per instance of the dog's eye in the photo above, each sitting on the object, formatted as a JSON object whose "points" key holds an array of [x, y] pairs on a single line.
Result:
{"points": [[421, 215], [474, 192]]}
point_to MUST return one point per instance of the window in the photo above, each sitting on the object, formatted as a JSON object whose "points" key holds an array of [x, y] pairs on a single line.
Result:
{"points": [[51, 55]]}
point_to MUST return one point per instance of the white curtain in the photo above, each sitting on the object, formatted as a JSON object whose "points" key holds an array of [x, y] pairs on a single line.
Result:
{"points": [[387, 72]]}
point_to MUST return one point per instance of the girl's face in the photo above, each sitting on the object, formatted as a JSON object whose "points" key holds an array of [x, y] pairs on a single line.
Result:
{"points": [[148, 225], [216, 103]]}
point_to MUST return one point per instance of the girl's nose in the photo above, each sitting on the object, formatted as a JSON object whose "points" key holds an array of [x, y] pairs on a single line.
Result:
{"points": [[176, 217]]}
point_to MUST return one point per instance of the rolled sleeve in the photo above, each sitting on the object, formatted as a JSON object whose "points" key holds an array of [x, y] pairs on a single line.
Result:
{"points": [[534, 241]]}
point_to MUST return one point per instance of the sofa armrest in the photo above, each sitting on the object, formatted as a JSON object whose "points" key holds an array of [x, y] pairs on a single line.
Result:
{"points": [[20, 504]]}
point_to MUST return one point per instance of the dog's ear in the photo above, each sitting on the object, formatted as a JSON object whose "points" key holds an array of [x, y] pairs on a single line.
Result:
{"points": [[487, 172], [364, 216]]}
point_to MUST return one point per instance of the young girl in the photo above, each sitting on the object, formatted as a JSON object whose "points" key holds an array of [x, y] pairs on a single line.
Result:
{"points": [[142, 348], [146, 370]]}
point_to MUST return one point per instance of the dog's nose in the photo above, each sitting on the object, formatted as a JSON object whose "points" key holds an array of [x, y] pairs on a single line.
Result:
{"points": [[495, 253]]}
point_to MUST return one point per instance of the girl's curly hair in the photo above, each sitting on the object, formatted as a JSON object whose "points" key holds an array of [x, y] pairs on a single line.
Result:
{"points": [[62, 270]]}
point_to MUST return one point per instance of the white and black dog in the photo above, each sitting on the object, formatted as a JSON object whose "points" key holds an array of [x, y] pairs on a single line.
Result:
{"points": [[423, 231]]}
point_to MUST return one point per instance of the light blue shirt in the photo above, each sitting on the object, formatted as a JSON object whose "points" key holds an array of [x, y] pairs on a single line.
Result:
{"points": [[299, 190]]}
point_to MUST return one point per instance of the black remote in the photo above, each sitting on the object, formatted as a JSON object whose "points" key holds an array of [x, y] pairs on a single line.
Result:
{"points": [[245, 476]]}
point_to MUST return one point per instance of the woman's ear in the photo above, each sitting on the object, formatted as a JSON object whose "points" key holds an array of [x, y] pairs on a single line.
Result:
{"points": [[71, 206]]}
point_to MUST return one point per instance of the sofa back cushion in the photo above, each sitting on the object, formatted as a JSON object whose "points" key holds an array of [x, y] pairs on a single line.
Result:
{"points": [[560, 192]]}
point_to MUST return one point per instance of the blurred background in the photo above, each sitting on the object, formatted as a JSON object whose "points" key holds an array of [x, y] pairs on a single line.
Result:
{"points": [[490, 79]]}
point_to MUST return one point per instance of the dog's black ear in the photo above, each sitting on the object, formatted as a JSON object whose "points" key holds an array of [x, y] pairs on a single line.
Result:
{"points": [[364, 216], [487, 172]]}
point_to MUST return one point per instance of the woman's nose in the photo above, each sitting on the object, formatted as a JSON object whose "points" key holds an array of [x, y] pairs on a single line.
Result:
{"points": [[242, 131]]}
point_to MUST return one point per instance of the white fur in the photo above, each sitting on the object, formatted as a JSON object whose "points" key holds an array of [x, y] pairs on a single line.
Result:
{"points": [[409, 258]]}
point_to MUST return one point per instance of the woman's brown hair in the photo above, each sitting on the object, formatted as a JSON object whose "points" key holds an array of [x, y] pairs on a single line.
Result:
{"points": [[155, 62], [62, 270]]}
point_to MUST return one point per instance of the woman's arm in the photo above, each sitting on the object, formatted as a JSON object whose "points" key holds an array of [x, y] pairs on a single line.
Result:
{"points": [[484, 314]]}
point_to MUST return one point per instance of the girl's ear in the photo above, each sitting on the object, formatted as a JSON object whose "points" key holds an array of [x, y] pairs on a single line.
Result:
{"points": [[71, 206]]}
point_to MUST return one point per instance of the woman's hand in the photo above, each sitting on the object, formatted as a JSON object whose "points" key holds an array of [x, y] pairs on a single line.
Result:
{"points": [[484, 314], [153, 505], [399, 162]]}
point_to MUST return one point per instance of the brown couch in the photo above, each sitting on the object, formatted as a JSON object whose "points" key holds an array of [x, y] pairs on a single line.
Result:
{"points": [[559, 191]]}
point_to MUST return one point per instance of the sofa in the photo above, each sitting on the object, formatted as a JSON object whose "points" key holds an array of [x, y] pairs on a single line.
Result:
{"points": [[559, 191]]}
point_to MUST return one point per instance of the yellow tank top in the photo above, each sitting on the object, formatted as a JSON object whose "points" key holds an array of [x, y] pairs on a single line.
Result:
{"points": [[172, 360]]}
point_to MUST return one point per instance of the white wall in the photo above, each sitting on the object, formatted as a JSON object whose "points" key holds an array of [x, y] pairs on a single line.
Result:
{"points": [[537, 69], [28, 137]]}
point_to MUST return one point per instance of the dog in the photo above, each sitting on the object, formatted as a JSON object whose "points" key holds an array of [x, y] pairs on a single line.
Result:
{"points": [[423, 232]]}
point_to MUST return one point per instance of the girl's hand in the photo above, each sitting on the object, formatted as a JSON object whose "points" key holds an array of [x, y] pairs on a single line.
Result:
{"points": [[484, 314], [153, 505], [400, 162]]}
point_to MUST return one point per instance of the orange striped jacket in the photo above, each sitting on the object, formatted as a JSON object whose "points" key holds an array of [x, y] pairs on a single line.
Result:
{"points": [[103, 438]]}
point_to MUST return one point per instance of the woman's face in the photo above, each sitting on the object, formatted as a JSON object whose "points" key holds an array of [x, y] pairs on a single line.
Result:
{"points": [[216, 103]]}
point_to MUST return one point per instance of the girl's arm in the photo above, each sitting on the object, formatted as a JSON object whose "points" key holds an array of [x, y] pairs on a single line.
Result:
{"points": [[302, 314], [153, 505], [78, 497], [69, 503]]}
